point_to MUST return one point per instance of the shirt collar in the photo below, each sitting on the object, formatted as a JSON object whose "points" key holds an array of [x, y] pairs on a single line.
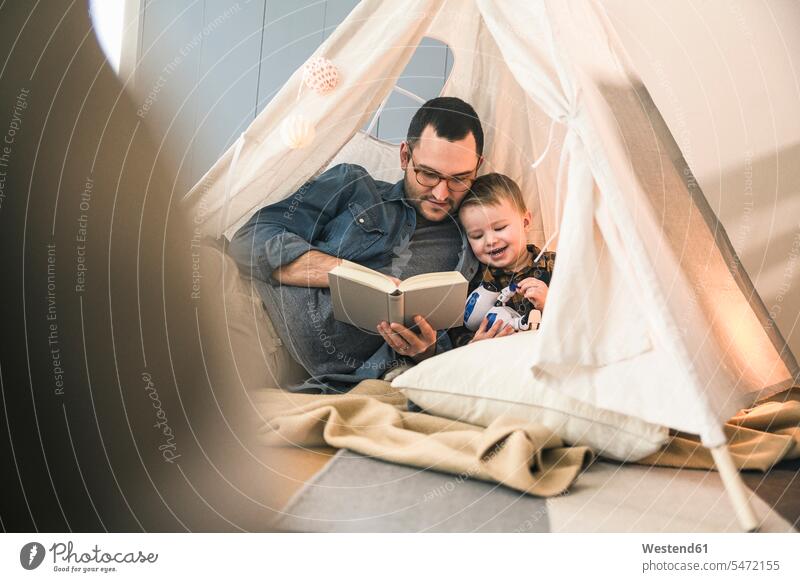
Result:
{"points": [[395, 191]]}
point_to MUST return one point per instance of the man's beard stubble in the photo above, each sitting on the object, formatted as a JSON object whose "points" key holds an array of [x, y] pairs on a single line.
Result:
{"points": [[416, 201]]}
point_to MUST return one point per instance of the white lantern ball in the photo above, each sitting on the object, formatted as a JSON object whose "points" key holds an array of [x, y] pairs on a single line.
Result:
{"points": [[297, 132]]}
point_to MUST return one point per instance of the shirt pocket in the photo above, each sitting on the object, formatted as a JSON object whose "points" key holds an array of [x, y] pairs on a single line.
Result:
{"points": [[364, 231]]}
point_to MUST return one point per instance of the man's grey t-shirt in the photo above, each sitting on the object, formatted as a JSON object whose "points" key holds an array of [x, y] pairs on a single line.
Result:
{"points": [[432, 248], [304, 319]]}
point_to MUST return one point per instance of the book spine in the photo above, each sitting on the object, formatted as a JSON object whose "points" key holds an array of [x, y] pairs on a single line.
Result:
{"points": [[396, 307]]}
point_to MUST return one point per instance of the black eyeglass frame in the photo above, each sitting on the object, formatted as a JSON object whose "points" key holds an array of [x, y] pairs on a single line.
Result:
{"points": [[467, 182]]}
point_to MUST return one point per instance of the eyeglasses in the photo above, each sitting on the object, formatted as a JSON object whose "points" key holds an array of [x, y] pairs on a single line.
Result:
{"points": [[431, 179]]}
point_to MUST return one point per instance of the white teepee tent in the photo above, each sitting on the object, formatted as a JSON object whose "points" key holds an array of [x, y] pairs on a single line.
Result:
{"points": [[647, 287]]}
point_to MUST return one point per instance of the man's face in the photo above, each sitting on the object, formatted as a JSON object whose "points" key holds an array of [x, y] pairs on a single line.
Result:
{"points": [[447, 159]]}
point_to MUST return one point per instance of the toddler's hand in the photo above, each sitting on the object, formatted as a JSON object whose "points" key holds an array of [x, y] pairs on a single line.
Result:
{"points": [[499, 329], [534, 291]]}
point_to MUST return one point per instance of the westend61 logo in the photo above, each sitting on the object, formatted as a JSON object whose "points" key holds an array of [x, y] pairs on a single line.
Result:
{"points": [[66, 559]]}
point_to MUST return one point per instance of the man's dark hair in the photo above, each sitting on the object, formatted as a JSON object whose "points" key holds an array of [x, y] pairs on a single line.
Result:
{"points": [[451, 118]]}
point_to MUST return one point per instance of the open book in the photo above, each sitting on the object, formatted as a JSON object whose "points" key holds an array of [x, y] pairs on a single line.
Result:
{"points": [[363, 297]]}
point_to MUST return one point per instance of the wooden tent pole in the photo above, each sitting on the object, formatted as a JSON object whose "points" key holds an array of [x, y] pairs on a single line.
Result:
{"points": [[737, 490]]}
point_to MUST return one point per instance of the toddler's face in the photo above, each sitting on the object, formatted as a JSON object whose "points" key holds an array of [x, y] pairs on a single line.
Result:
{"points": [[496, 233]]}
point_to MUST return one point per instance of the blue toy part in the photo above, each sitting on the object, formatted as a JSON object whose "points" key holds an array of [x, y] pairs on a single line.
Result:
{"points": [[471, 301], [478, 304], [508, 316]]}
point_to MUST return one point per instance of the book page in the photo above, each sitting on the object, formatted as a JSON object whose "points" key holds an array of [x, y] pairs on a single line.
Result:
{"points": [[364, 276], [431, 280]]}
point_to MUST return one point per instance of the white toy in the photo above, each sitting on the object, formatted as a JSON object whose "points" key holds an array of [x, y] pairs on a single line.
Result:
{"points": [[487, 302]]}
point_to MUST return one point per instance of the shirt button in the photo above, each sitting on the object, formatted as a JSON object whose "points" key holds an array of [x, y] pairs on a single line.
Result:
{"points": [[361, 221]]}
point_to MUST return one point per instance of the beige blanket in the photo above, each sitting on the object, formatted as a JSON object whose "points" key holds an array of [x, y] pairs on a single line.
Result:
{"points": [[372, 419], [758, 438]]}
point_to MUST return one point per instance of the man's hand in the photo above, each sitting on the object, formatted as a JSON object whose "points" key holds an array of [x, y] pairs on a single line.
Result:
{"points": [[308, 270], [499, 329], [534, 291], [407, 343]]}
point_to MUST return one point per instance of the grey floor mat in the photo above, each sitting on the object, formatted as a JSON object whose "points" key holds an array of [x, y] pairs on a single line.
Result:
{"points": [[355, 493]]}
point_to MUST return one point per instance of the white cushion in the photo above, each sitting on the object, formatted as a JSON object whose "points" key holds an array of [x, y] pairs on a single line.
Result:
{"points": [[484, 380], [381, 159], [242, 330]]}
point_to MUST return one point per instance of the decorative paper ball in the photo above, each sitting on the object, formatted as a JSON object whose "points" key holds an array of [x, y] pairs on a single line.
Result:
{"points": [[297, 132], [321, 75]]}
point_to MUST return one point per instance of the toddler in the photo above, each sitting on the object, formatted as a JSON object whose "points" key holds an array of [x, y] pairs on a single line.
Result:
{"points": [[496, 221]]}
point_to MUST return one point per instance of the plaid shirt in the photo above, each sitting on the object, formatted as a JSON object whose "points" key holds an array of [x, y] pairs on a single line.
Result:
{"points": [[501, 278]]}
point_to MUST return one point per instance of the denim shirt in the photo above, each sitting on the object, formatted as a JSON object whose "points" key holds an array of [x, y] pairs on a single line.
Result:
{"points": [[344, 213]]}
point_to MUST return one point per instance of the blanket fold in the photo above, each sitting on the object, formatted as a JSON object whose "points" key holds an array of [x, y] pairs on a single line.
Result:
{"points": [[372, 419]]}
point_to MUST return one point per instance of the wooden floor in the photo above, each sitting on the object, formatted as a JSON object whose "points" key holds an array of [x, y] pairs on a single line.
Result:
{"points": [[780, 488], [292, 467]]}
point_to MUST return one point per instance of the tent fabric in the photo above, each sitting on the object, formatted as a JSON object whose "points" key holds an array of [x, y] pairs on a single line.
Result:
{"points": [[702, 312], [646, 289]]}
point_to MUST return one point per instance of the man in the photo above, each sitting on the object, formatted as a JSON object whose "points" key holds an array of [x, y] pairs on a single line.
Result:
{"points": [[400, 229]]}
